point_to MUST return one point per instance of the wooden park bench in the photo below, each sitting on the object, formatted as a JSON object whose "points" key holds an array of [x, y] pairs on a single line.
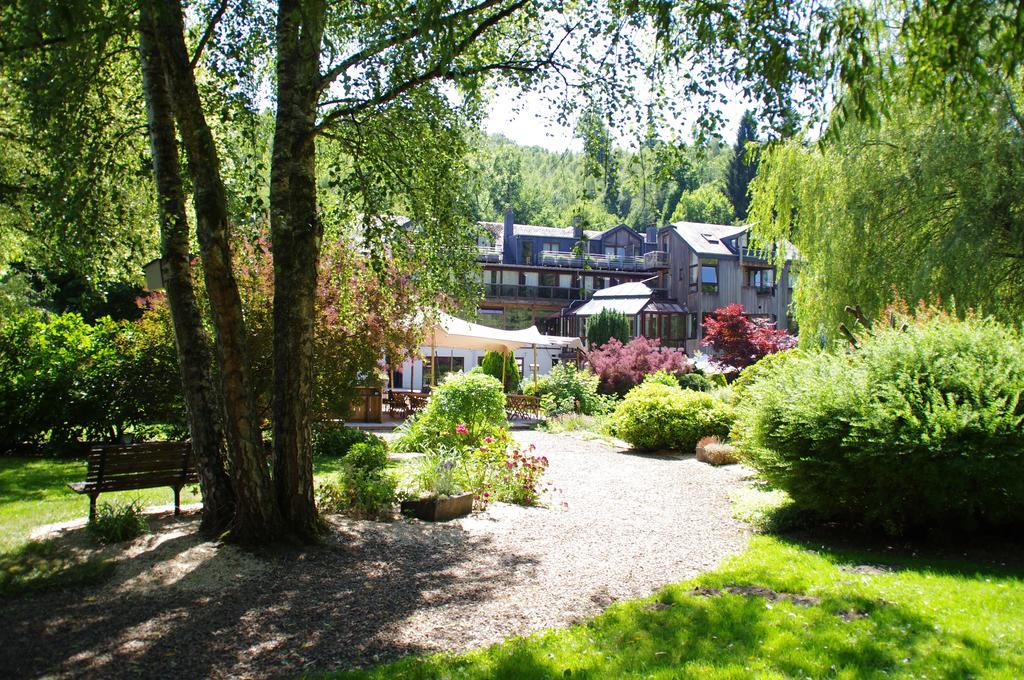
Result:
{"points": [[130, 467]]}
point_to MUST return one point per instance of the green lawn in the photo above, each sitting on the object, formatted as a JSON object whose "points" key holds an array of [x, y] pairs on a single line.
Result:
{"points": [[910, 618], [33, 492]]}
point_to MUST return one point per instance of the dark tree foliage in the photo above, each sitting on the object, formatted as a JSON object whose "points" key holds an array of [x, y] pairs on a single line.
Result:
{"points": [[743, 166], [605, 325]]}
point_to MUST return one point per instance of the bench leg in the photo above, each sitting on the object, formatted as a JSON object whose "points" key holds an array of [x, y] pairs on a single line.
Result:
{"points": [[92, 507], [177, 500]]}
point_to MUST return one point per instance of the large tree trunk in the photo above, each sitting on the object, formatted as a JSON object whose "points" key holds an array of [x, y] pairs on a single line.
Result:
{"points": [[194, 357], [257, 517], [296, 232]]}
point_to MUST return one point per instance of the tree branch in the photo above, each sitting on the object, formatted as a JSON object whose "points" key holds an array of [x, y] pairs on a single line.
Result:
{"points": [[208, 33], [439, 70]]}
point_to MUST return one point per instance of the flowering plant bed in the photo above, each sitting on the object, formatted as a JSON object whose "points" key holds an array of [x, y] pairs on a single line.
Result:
{"points": [[439, 508]]}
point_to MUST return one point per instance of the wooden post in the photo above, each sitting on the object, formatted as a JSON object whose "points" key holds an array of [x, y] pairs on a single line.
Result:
{"points": [[433, 362], [535, 365]]}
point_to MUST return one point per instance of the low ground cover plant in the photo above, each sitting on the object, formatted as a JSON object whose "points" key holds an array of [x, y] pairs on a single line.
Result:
{"points": [[919, 428], [655, 416], [474, 401], [363, 487], [117, 521]]}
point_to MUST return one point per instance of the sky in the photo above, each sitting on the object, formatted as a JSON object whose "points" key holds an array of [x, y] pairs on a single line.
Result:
{"points": [[528, 121]]}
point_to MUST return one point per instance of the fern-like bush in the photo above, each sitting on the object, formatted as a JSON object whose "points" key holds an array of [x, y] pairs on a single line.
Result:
{"points": [[919, 428], [655, 416], [567, 389]]}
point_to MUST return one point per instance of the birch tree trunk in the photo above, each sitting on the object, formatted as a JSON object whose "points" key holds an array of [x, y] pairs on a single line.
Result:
{"points": [[257, 517], [191, 341], [296, 232]]}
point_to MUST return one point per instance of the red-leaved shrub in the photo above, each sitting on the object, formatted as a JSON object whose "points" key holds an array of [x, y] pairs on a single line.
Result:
{"points": [[740, 341], [622, 367]]}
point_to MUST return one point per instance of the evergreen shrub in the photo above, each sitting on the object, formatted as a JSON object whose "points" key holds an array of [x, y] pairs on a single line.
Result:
{"points": [[919, 428]]}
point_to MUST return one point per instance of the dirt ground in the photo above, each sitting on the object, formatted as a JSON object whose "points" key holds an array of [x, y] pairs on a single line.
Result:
{"points": [[616, 525]]}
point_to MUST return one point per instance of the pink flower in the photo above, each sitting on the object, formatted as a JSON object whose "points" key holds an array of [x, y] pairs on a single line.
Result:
{"points": [[461, 429], [488, 439]]}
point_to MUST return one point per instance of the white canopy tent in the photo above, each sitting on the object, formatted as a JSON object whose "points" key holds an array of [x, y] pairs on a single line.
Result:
{"points": [[450, 331]]}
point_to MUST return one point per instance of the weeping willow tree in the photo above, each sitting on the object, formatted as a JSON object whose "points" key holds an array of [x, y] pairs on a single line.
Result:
{"points": [[924, 205]]}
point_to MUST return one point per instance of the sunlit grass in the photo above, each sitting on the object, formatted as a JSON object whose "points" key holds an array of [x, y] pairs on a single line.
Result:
{"points": [[871, 615]]}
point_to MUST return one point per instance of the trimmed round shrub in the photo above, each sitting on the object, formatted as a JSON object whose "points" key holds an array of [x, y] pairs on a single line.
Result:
{"points": [[654, 416], [473, 400], [917, 429]]}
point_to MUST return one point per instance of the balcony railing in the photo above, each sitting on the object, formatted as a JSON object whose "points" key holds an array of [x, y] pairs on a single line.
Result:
{"points": [[528, 292], [656, 259], [561, 258], [489, 253]]}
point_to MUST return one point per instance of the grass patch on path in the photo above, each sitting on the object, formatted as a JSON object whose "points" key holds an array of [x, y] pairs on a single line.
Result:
{"points": [[781, 609]]}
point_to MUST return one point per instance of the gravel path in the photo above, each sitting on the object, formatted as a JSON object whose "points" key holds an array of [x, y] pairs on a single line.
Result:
{"points": [[375, 591]]}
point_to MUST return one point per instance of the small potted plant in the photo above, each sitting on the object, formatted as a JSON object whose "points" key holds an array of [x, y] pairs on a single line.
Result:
{"points": [[441, 497]]}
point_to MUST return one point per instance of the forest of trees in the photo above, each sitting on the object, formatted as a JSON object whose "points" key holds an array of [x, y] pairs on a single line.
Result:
{"points": [[653, 183]]}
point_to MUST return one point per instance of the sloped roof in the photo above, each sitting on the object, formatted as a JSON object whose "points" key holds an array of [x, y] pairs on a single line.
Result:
{"points": [[628, 306], [498, 229], [629, 298], [709, 239], [623, 290]]}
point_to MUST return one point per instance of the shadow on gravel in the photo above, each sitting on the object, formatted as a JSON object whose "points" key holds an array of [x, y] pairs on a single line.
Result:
{"points": [[330, 606]]}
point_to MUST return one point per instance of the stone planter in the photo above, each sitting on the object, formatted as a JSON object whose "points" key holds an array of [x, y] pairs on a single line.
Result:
{"points": [[439, 508]]}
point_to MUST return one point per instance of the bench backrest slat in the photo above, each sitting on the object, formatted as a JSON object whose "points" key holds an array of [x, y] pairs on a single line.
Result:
{"points": [[139, 466]]}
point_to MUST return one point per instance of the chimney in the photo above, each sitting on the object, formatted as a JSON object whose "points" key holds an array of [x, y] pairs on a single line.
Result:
{"points": [[508, 250], [577, 228], [652, 234]]}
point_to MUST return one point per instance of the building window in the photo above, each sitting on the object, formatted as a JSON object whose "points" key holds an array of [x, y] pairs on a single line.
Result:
{"points": [[548, 279], [678, 330], [651, 326], [445, 365], [550, 247], [616, 252], [709, 276], [761, 279], [526, 252], [694, 330]]}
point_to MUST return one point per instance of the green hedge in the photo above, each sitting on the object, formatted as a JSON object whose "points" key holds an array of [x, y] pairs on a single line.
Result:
{"points": [[919, 428], [656, 416]]}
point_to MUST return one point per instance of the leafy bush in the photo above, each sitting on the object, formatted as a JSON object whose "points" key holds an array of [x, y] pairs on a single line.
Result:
{"points": [[491, 365], [621, 367], [567, 389], [364, 489], [605, 325], [334, 439], [917, 429], [696, 381], [63, 379], [740, 341], [473, 401], [116, 522], [661, 378], [655, 416], [520, 480]]}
